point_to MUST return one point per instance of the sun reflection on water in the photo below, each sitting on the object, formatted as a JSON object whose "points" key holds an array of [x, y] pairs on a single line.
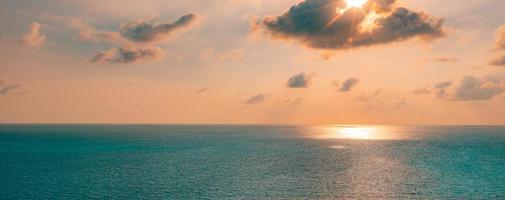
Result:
{"points": [[356, 133]]}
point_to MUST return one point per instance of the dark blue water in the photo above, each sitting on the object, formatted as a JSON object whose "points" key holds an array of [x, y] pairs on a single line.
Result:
{"points": [[249, 162]]}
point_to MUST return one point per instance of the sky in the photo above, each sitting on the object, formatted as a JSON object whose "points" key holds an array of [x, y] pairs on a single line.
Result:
{"points": [[421, 62]]}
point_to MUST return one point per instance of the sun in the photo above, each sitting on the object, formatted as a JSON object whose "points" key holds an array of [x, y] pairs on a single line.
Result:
{"points": [[355, 3]]}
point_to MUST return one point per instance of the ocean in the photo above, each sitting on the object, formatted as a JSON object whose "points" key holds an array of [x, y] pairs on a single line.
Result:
{"points": [[251, 162]]}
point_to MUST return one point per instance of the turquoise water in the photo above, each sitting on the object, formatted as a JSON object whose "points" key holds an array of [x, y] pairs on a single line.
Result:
{"points": [[250, 162]]}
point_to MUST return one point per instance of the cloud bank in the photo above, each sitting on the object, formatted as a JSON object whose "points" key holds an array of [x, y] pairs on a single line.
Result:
{"points": [[470, 88], [332, 24], [33, 38]]}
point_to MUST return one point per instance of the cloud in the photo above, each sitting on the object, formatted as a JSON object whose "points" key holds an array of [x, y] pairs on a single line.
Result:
{"points": [[500, 44], [442, 87], [498, 62], [9, 88], [347, 85], [474, 89], [202, 90], [152, 31], [301, 80], [137, 41], [331, 24], [260, 98], [129, 54], [422, 91], [500, 37], [33, 38]]}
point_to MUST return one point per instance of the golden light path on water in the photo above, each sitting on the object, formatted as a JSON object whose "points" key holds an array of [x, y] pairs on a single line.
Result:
{"points": [[357, 132]]}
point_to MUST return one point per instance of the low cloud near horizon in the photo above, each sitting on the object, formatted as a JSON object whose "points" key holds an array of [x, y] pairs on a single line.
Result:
{"points": [[469, 88]]}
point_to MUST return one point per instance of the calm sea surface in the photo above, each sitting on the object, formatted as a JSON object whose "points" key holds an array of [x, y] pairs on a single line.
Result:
{"points": [[251, 162]]}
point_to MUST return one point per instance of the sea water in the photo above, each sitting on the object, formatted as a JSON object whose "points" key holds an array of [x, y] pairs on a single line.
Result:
{"points": [[250, 162]]}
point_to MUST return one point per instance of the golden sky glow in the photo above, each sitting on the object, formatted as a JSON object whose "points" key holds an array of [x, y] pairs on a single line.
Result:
{"points": [[242, 61]]}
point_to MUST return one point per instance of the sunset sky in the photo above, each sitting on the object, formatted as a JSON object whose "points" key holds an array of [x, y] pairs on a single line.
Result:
{"points": [[252, 61]]}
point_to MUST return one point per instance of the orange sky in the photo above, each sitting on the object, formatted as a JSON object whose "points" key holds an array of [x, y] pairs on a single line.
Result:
{"points": [[241, 62]]}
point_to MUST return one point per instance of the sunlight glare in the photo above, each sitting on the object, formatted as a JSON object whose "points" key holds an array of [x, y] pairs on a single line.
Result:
{"points": [[355, 3], [356, 133]]}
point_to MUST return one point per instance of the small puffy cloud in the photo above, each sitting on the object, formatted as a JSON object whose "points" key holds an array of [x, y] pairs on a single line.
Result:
{"points": [[129, 54], [498, 62], [301, 80], [260, 98], [442, 87], [332, 24], [347, 85], [9, 88], [33, 38], [152, 31], [475, 89]]}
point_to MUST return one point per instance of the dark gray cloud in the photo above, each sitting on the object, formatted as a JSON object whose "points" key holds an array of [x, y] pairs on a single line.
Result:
{"points": [[150, 31], [474, 89], [9, 88], [331, 24], [498, 62], [301, 80], [347, 85], [129, 55], [260, 98]]}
